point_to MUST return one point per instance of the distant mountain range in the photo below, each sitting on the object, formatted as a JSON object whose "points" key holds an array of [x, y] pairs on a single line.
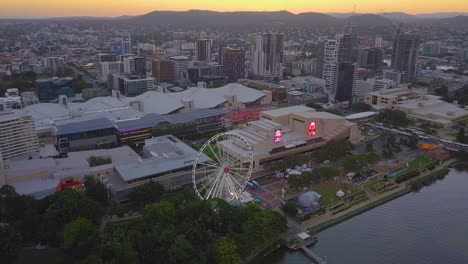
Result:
{"points": [[205, 18]]}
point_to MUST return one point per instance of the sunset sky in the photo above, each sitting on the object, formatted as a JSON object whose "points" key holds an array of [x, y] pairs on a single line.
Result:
{"points": [[55, 8]]}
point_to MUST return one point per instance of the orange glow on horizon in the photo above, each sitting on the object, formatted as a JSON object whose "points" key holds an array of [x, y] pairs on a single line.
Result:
{"points": [[57, 8]]}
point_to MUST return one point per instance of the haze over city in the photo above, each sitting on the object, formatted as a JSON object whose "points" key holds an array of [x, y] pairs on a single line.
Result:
{"points": [[112, 8]]}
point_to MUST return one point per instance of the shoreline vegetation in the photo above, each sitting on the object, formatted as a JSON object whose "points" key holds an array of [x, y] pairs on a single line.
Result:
{"points": [[411, 185]]}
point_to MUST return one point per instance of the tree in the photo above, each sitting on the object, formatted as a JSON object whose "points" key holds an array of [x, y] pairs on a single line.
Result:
{"points": [[80, 235], [226, 251], [10, 242], [95, 189], [395, 117], [413, 141], [265, 227], [290, 209], [181, 251], [360, 107], [69, 205], [461, 136], [315, 106], [369, 147], [149, 192]]}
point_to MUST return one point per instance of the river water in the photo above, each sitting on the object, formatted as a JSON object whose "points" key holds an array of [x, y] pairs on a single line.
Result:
{"points": [[425, 227]]}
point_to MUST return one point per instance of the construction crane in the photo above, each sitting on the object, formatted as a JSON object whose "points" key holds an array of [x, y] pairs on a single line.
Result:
{"points": [[397, 25]]}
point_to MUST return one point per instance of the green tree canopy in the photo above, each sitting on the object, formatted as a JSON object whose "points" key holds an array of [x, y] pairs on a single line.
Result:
{"points": [[360, 107], [149, 192], [10, 242], [81, 235], [226, 251]]}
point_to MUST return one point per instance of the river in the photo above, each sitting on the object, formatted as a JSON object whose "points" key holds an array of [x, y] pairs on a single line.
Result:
{"points": [[425, 227]]}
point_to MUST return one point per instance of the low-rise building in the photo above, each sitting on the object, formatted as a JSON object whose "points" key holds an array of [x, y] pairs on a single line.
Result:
{"points": [[285, 131]]}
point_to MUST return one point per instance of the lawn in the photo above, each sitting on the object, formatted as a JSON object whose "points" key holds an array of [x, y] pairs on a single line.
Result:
{"points": [[370, 182], [209, 152], [328, 191], [419, 163]]}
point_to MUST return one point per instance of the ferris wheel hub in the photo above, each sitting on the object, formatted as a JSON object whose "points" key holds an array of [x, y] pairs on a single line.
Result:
{"points": [[227, 170]]}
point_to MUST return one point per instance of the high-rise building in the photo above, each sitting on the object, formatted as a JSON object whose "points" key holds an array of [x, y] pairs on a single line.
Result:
{"points": [[330, 64], [233, 60], [346, 82], [345, 47], [18, 135], [121, 47], [392, 75], [378, 41], [405, 55], [49, 89], [203, 50], [370, 57], [267, 56], [338, 67], [130, 85], [163, 70], [104, 57], [181, 64], [53, 63], [108, 67], [320, 59]]}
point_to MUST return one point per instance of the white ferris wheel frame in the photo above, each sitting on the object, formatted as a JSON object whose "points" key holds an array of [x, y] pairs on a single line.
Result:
{"points": [[222, 173]]}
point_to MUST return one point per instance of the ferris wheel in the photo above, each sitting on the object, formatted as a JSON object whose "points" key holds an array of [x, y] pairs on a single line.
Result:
{"points": [[226, 173]]}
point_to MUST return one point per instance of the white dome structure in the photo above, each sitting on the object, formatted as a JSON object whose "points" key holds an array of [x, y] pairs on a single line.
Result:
{"points": [[309, 200]]}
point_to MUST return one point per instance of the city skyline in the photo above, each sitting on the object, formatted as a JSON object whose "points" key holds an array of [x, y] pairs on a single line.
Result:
{"points": [[108, 8]]}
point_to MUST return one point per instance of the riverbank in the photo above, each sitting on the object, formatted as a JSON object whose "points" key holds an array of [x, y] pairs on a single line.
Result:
{"points": [[321, 223]]}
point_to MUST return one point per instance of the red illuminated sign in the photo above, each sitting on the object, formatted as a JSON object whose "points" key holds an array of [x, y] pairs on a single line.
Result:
{"points": [[312, 128]]}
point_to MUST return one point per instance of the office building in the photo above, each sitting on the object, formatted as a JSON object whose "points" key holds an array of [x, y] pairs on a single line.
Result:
{"points": [[370, 57], [49, 89], [320, 59], [383, 84], [105, 68], [233, 61], [53, 63], [130, 85], [85, 135], [405, 55], [378, 42], [18, 135], [104, 57], [163, 70], [203, 50], [181, 64], [121, 47], [134, 65], [392, 75], [345, 83], [267, 56], [345, 47]]}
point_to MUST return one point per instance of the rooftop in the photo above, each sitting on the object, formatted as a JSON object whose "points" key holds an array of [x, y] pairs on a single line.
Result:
{"points": [[288, 110], [83, 126], [168, 154]]}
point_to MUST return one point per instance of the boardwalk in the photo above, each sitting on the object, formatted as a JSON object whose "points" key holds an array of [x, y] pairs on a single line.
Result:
{"points": [[315, 258]]}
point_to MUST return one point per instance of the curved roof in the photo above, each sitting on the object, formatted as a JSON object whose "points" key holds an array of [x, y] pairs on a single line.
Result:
{"points": [[157, 103], [200, 97], [243, 93], [360, 115], [45, 114]]}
